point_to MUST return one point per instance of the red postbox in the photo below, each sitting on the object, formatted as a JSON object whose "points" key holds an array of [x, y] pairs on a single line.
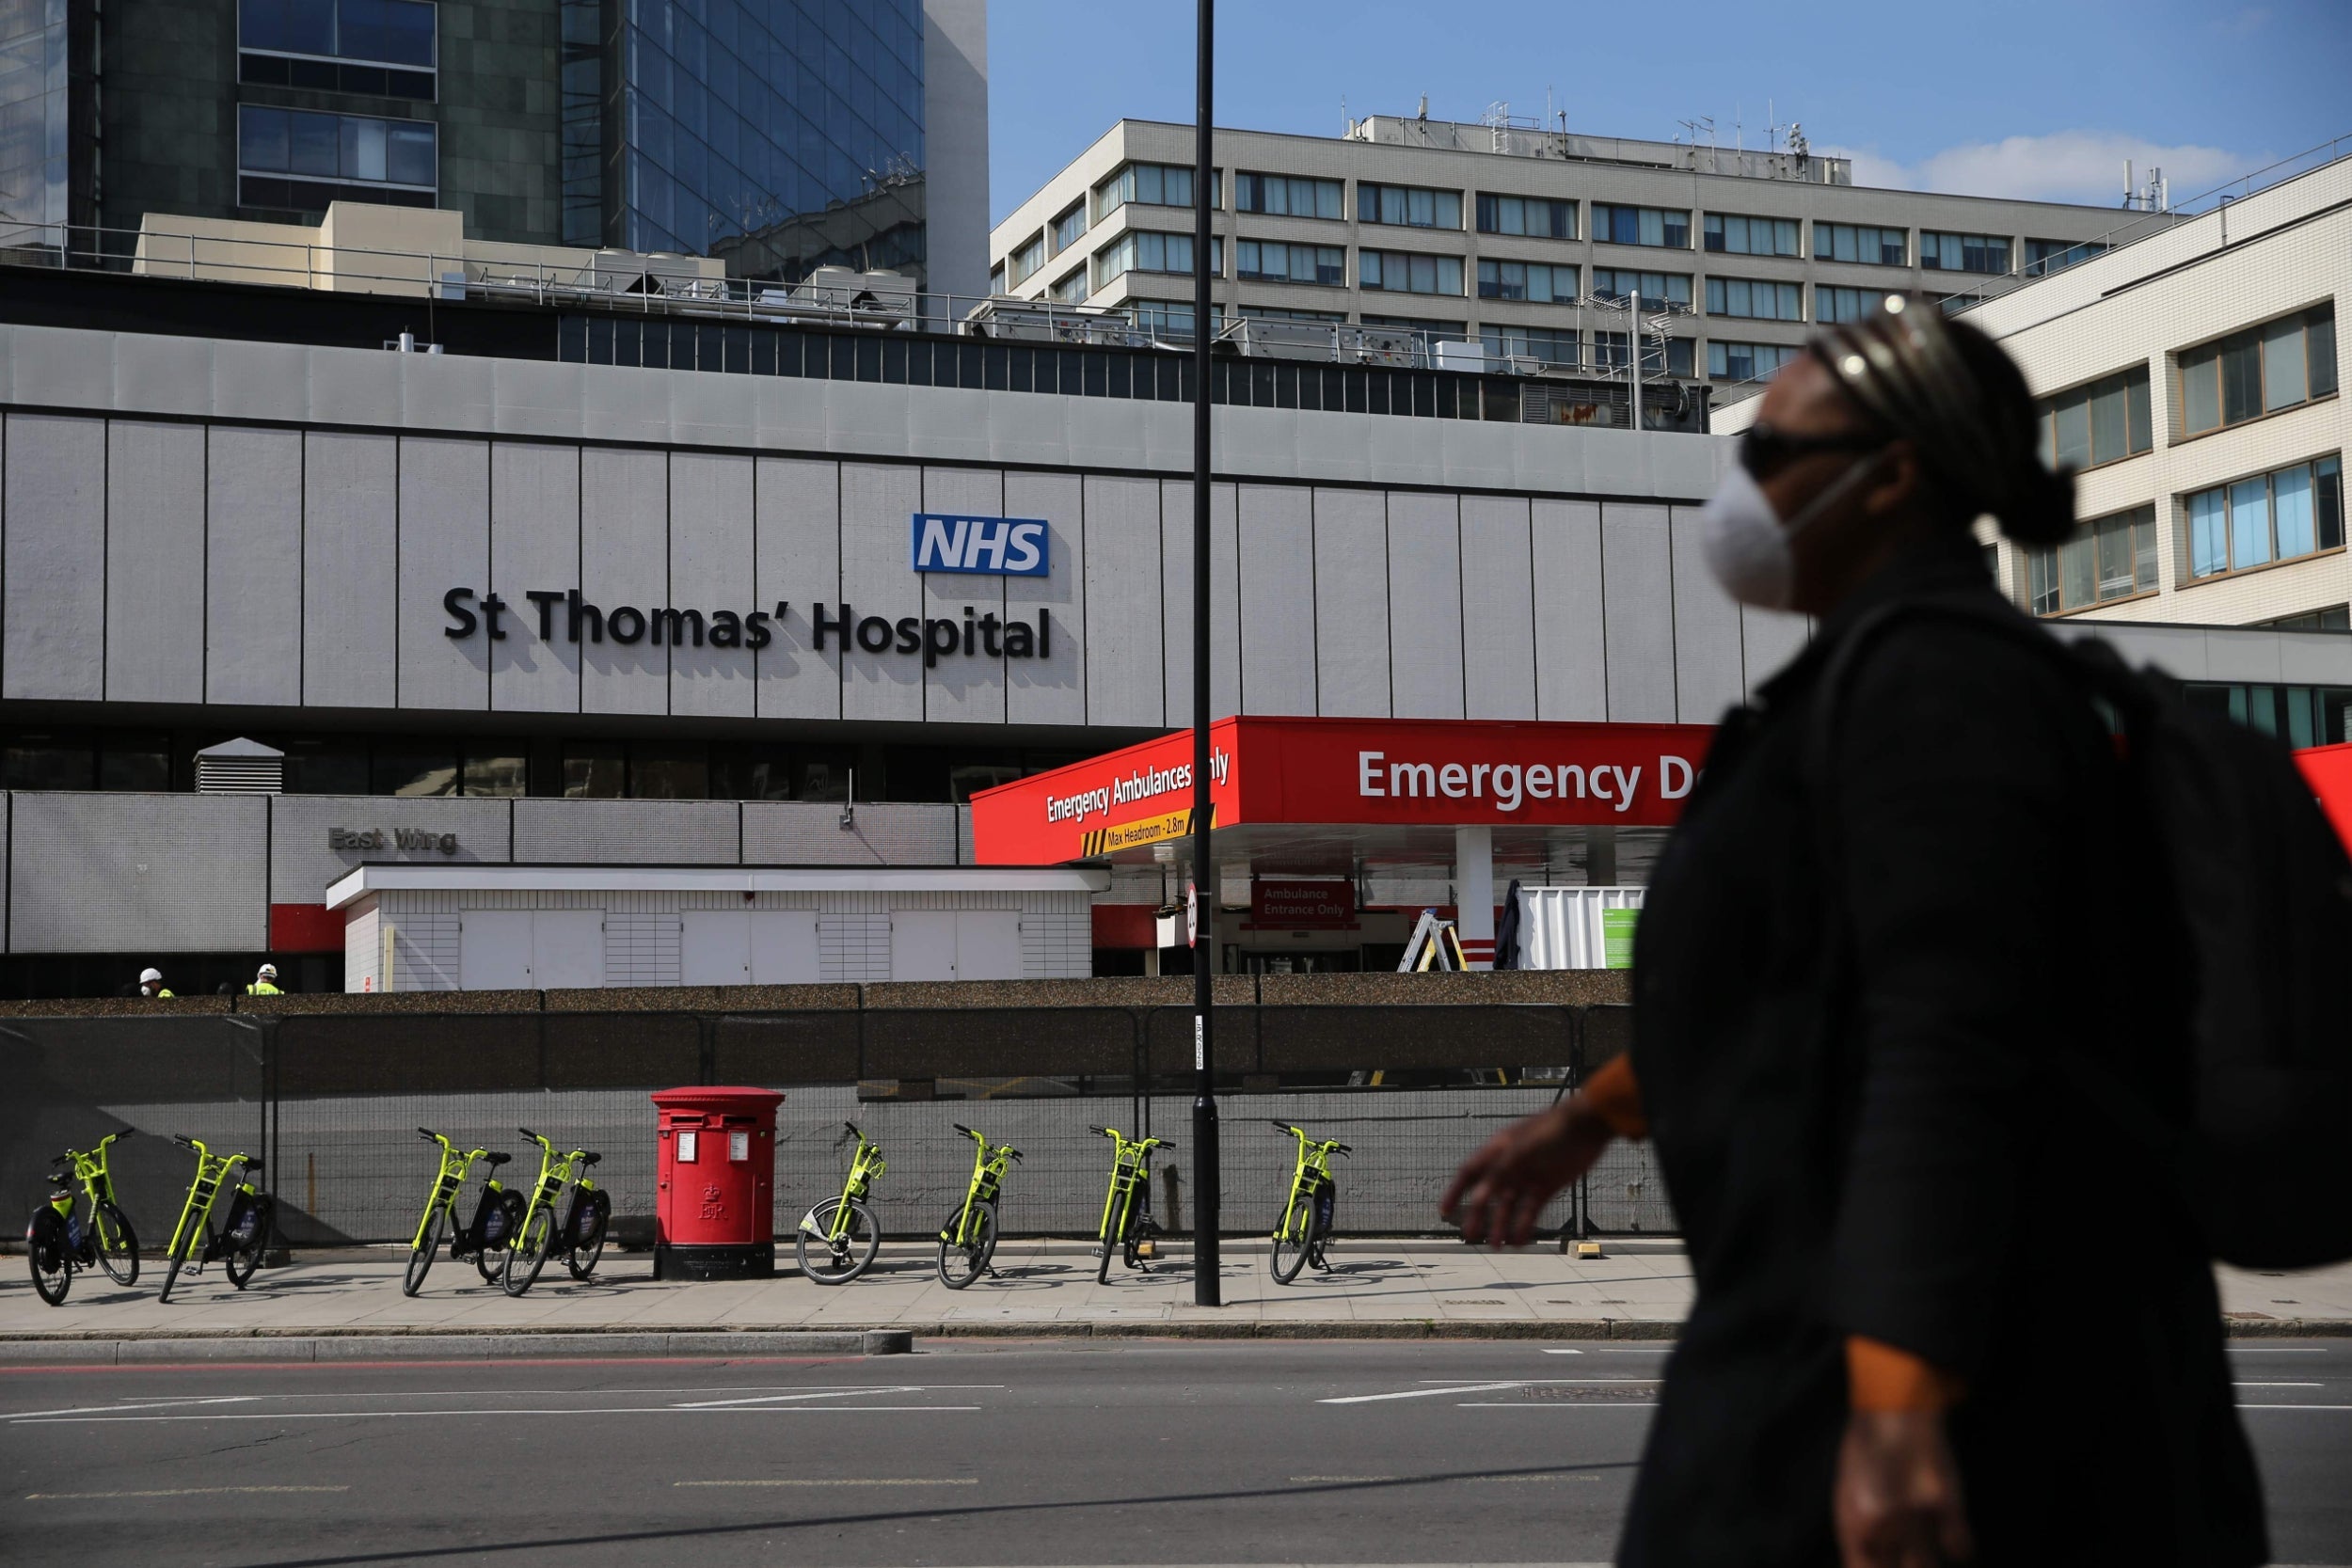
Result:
{"points": [[714, 1207]]}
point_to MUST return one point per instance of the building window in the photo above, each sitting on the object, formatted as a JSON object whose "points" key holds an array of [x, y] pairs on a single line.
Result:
{"points": [[1143, 250], [1670, 357], [1409, 206], [1535, 216], [1739, 236], [1617, 285], [2334, 618], [1071, 287], [1267, 262], [1556, 347], [1398, 273], [2103, 422], [1027, 260], [1640, 225], [1747, 362], [383, 47], [2111, 558], [2043, 256], [1146, 186], [1943, 252], [1069, 226], [1535, 281], [289, 158], [2299, 715], [1164, 318], [1860, 243], [2259, 371], [1281, 195], [996, 278], [1846, 305], [1289, 313], [2273, 517], [1756, 299]]}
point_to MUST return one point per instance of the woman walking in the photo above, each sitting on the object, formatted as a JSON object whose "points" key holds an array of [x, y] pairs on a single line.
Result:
{"points": [[1945, 1311]]}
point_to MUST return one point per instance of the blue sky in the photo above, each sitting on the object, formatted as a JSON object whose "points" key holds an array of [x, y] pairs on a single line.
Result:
{"points": [[2041, 100]]}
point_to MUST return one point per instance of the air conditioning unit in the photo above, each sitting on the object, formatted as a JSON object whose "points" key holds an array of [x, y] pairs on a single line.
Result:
{"points": [[240, 766]]}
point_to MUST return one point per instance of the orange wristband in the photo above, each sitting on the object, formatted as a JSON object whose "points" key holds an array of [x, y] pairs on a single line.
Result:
{"points": [[1880, 1377], [1617, 1098]]}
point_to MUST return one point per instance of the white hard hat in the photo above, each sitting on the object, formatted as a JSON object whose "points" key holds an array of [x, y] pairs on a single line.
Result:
{"points": [[269, 971], [148, 976]]}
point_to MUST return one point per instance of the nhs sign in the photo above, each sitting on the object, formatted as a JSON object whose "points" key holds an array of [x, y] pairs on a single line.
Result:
{"points": [[1004, 547]]}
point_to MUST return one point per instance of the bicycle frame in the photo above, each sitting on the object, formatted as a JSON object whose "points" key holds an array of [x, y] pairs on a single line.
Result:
{"points": [[455, 1166], [988, 1164], [1131, 1169], [97, 1184], [554, 1171], [1312, 1173], [211, 1174], [864, 1166]]}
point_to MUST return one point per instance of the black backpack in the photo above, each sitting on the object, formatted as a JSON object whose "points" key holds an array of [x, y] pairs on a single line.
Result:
{"points": [[2265, 897]]}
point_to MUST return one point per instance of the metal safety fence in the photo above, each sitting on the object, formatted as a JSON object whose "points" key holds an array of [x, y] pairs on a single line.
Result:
{"points": [[333, 1103]]}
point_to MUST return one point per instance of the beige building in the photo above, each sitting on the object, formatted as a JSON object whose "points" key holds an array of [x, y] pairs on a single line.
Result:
{"points": [[1527, 241]]}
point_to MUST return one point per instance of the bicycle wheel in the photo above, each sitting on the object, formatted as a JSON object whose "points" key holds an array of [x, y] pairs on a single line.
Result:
{"points": [[45, 1249], [588, 1244], [1113, 1237], [420, 1256], [529, 1255], [961, 1262], [247, 1242], [178, 1262], [1293, 1242], [118, 1244], [826, 1262], [499, 1227]]}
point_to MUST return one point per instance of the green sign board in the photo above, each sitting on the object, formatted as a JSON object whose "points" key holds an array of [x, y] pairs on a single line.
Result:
{"points": [[1616, 938]]}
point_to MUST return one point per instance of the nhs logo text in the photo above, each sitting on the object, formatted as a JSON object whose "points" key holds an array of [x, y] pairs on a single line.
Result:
{"points": [[1006, 546]]}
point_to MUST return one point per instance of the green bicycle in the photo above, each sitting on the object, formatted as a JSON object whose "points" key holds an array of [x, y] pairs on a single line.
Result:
{"points": [[58, 1243], [1304, 1228], [1128, 1227], [497, 1217], [580, 1236], [243, 1239], [968, 1241], [842, 1229]]}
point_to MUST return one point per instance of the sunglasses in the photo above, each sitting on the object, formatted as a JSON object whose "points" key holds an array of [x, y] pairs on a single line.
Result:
{"points": [[1764, 451]]}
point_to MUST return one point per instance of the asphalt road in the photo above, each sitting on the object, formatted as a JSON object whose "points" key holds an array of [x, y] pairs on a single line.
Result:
{"points": [[973, 1452]]}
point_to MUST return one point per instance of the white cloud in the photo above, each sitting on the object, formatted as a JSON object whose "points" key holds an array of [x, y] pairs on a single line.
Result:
{"points": [[2066, 166]]}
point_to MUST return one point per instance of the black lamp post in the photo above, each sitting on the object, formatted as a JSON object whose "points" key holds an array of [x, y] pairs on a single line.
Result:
{"points": [[1206, 1283]]}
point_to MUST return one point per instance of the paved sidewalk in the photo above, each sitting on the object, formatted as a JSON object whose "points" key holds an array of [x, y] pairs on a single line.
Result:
{"points": [[1640, 1288]]}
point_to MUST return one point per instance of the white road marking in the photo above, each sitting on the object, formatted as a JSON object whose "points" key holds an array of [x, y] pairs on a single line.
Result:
{"points": [[1560, 1404], [2295, 1407], [143, 1405], [966, 1481], [2278, 1385], [1480, 1388], [440, 1414], [1563, 1353], [785, 1398], [168, 1492]]}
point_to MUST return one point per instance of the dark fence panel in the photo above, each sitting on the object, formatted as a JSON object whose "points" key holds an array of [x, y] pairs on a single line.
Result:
{"points": [[786, 1047]]}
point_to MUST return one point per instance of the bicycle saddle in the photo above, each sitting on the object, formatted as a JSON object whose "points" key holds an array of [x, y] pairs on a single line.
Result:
{"points": [[494, 1160], [590, 1159]]}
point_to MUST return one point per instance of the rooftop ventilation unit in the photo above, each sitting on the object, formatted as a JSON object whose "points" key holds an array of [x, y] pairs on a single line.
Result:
{"points": [[240, 766]]}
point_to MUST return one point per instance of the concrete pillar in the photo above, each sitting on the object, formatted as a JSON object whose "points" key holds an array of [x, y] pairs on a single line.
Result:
{"points": [[1474, 894], [1600, 857]]}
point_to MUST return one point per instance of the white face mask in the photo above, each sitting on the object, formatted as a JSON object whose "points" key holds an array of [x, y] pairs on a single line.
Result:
{"points": [[1745, 544]]}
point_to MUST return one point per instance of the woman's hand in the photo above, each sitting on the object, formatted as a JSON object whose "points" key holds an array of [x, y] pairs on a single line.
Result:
{"points": [[1500, 1191], [1898, 1503]]}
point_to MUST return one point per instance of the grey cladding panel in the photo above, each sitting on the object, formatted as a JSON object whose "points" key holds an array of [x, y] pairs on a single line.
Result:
{"points": [[877, 506], [1708, 677], [624, 565], [627, 832], [1637, 588], [350, 555], [444, 543], [793, 833], [1425, 605], [710, 570], [304, 859], [54, 508], [1052, 689], [1274, 560], [1225, 647], [798, 544], [1125, 652], [1571, 654], [965, 688], [1351, 599], [1498, 608], [98, 873], [154, 554], [253, 567], [535, 547]]}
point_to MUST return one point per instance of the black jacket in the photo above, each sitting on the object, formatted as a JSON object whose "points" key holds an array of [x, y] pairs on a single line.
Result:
{"points": [[1851, 1038]]}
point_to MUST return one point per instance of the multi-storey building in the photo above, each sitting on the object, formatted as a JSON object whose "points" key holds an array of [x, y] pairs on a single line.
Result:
{"points": [[1532, 243], [781, 137]]}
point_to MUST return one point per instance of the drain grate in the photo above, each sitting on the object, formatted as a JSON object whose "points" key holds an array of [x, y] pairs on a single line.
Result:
{"points": [[1643, 1389], [1473, 1301]]}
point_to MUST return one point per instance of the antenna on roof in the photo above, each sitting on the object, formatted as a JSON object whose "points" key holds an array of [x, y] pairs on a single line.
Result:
{"points": [[1424, 112]]}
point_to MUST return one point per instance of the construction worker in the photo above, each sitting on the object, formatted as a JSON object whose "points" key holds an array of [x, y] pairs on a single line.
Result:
{"points": [[151, 984], [264, 983]]}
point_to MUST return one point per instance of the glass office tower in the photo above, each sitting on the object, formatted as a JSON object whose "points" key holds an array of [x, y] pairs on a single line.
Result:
{"points": [[782, 136]]}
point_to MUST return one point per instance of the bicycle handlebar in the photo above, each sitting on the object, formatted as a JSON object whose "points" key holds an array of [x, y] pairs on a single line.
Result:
{"points": [[1100, 1132], [854, 1132], [529, 1134]]}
